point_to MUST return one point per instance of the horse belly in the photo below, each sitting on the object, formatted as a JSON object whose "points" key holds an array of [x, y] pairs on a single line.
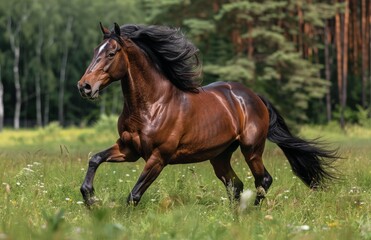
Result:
{"points": [[193, 154], [205, 141]]}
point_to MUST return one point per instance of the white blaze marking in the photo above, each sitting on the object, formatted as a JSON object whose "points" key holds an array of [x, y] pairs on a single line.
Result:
{"points": [[99, 51], [101, 48]]}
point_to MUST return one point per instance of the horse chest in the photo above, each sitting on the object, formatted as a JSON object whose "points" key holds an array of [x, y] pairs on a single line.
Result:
{"points": [[141, 143]]}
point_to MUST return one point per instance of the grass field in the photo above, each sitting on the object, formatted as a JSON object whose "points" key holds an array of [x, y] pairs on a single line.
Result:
{"points": [[41, 172]]}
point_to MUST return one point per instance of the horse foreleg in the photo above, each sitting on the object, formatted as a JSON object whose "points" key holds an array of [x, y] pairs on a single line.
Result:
{"points": [[151, 171], [116, 153]]}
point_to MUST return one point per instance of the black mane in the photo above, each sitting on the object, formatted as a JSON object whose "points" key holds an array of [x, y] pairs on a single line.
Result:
{"points": [[170, 51]]}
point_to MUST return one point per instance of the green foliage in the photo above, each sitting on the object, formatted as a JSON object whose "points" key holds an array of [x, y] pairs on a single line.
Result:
{"points": [[363, 117], [240, 70], [156, 8], [106, 124], [199, 27], [55, 221]]}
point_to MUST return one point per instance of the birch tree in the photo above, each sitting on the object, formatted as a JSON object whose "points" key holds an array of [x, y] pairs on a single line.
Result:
{"points": [[13, 32], [63, 69]]}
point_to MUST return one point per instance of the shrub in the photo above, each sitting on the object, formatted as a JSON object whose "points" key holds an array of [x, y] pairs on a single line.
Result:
{"points": [[107, 124], [363, 117]]}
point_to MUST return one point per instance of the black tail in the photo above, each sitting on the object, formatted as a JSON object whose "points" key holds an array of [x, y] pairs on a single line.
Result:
{"points": [[311, 163]]}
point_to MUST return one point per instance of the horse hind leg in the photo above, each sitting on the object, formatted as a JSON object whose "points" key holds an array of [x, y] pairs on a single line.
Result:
{"points": [[223, 170], [263, 180]]}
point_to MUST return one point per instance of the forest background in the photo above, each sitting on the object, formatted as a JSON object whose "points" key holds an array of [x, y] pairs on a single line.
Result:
{"points": [[311, 58]]}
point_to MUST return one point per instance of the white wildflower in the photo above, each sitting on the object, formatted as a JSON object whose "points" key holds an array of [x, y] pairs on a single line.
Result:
{"points": [[304, 227], [245, 199], [223, 199], [3, 236]]}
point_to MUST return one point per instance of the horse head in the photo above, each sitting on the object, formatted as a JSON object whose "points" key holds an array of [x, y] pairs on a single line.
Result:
{"points": [[107, 65]]}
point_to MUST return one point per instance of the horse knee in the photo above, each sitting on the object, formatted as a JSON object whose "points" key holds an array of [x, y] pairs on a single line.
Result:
{"points": [[95, 161]]}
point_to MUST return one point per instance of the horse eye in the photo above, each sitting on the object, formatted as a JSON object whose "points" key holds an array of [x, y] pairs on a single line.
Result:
{"points": [[111, 54]]}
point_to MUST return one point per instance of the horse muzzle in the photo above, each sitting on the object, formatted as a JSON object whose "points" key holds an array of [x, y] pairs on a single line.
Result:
{"points": [[88, 91]]}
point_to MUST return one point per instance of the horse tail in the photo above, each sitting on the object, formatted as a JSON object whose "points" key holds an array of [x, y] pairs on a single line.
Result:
{"points": [[308, 159]]}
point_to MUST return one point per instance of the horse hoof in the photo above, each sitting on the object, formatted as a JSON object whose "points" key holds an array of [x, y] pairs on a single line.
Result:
{"points": [[260, 192], [131, 201], [90, 201], [260, 195]]}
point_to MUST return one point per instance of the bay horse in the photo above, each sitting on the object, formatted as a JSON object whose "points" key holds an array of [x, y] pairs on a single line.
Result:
{"points": [[167, 118]]}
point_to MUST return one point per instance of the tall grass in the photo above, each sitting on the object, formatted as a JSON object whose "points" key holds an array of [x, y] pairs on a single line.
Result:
{"points": [[41, 172]]}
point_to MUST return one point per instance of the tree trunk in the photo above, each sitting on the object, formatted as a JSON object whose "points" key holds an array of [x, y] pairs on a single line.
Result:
{"points": [[345, 60], [37, 80], [369, 41], [17, 86], [364, 53], [62, 79], [355, 37], [250, 41], [46, 109], [1, 103], [344, 72], [38, 101], [300, 27], [62, 76], [339, 64], [328, 63], [14, 45]]}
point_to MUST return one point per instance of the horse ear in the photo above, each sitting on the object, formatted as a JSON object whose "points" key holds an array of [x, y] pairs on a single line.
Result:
{"points": [[117, 29], [104, 30]]}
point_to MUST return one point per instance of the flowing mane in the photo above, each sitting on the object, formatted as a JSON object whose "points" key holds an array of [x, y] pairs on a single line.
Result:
{"points": [[170, 52]]}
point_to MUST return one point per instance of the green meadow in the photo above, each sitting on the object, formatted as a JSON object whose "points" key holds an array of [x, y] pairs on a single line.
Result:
{"points": [[41, 172]]}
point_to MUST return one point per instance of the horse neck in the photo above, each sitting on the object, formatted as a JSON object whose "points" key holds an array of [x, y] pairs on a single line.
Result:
{"points": [[143, 84]]}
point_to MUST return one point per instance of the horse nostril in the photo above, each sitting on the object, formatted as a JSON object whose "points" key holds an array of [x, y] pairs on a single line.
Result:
{"points": [[87, 88]]}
